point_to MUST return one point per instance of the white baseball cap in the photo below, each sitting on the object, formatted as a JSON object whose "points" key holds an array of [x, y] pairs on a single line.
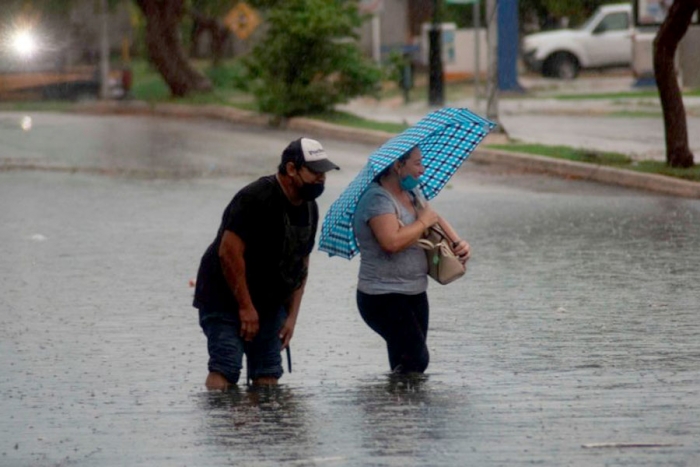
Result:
{"points": [[308, 152]]}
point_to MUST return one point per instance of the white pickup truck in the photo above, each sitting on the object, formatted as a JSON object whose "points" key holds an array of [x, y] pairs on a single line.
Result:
{"points": [[604, 40]]}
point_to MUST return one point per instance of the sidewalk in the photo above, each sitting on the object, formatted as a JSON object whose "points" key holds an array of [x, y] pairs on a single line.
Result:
{"points": [[547, 114]]}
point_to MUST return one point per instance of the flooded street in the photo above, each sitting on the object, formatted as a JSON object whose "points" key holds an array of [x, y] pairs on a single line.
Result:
{"points": [[572, 340]]}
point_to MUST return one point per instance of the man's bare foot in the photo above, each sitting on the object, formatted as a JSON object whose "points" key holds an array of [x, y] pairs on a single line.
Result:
{"points": [[216, 382], [265, 381]]}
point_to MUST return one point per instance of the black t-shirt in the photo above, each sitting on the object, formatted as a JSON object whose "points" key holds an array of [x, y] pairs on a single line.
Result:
{"points": [[277, 236]]}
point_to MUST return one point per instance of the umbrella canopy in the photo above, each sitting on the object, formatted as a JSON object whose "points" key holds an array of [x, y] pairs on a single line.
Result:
{"points": [[446, 137]]}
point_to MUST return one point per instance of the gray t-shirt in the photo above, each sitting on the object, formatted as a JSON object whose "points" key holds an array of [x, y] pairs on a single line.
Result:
{"points": [[381, 272]]}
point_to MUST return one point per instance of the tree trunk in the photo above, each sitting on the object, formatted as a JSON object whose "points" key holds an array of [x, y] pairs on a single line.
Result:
{"points": [[165, 49], [195, 37], [218, 33], [220, 36], [666, 42]]}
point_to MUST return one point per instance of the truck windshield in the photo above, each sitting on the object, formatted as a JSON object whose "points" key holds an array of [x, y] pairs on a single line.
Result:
{"points": [[589, 22]]}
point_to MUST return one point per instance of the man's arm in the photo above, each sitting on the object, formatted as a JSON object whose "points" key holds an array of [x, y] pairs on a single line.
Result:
{"points": [[293, 305], [233, 265]]}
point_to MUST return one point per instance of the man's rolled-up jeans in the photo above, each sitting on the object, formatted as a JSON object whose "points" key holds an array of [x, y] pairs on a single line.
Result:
{"points": [[226, 346]]}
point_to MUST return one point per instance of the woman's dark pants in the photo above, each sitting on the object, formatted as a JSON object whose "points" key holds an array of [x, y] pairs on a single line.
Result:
{"points": [[402, 320]]}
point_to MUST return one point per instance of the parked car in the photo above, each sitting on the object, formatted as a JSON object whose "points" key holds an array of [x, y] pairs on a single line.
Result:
{"points": [[604, 40]]}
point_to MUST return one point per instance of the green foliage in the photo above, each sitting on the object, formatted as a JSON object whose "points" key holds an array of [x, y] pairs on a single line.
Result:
{"points": [[393, 70], [576, 10], [211, 8], [229, 80], [463, 15], [309, 60], [232, 75]]}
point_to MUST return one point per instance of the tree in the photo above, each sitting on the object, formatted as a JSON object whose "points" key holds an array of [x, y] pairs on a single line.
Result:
{"points": [[165, 49], [670, 33], [309, 59], [206, 17], [218, 32], [548, 10]]}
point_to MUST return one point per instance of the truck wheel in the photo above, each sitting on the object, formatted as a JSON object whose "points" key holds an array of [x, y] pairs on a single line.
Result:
{"points": [[562, 66]]}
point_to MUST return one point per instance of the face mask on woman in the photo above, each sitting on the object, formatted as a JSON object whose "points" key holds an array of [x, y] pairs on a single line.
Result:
{"points": [[409, 182]]}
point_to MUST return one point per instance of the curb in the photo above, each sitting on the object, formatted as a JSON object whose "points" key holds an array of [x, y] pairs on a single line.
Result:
{"points": [[524, 162], [591, 172]]}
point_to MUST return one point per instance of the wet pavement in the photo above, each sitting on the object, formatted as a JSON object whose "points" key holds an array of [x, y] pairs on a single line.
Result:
{"points": [[571, 341]]}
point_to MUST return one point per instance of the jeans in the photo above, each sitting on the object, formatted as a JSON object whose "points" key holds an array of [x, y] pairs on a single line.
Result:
{"points": [[226, 347], [402, 320]]}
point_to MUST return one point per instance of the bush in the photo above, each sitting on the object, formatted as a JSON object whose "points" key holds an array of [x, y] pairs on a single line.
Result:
{"points": [[229, 75], [309, 60]]}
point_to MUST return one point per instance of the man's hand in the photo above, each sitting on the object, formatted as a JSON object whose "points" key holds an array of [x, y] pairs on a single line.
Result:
{"points": [[287, 331], [250, 324]]}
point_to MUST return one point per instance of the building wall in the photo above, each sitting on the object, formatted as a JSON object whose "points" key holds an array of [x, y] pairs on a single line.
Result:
{"points": [[393, 26], [84, 30], [458, 51]]}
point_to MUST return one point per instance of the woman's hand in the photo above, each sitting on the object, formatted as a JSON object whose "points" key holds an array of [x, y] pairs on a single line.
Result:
{"points": [[427, 216], [462, 249]]}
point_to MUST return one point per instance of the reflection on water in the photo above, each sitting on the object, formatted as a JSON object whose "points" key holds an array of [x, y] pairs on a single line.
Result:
{"points": [[402, 415], [255, 422], [390, 419]]}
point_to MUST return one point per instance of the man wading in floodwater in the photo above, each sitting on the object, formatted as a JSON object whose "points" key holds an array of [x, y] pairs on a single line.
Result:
{"points": [[251, 278]]}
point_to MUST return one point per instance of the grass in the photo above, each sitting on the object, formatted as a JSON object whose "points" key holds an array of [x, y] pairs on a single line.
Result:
{"points": [[622, 95], [636, 114], [610, 159], [660, 168], [31, 106], [227, 79], [568, 153], [347, 119]]}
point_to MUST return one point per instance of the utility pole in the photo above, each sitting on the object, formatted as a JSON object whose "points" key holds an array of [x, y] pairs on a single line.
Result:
{"points": [[436, 94], [104, 51], [492, 81]]}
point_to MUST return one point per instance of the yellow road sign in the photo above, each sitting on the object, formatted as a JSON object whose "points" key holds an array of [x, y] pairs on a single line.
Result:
{"points": [[242, 20]]}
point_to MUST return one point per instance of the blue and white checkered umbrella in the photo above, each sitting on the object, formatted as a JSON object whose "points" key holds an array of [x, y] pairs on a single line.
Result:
{"points": [[446, 137]]}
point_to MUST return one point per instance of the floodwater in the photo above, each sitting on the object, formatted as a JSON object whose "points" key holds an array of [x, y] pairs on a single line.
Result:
{"points": [[572, 340]]}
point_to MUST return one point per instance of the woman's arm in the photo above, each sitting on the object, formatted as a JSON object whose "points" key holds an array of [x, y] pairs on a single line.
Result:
{"points": [[394, 237], [459, 246]]}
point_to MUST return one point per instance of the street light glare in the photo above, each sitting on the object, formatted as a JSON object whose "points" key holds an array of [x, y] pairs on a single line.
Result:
{"points": [[24, 43]]}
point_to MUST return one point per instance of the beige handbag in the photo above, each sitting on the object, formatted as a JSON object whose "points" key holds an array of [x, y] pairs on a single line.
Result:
{"points": [[443, 265]]}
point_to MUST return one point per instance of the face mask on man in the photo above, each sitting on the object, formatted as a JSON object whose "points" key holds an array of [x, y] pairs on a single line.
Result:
{"points": [[310, 191]]}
